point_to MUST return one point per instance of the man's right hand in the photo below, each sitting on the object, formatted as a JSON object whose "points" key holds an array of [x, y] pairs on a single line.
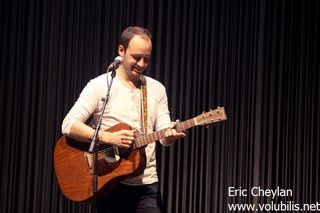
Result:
{"points": [[121, 139]]}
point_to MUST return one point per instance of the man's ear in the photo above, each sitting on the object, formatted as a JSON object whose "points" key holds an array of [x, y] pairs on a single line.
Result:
{"points": [[121, 50]]}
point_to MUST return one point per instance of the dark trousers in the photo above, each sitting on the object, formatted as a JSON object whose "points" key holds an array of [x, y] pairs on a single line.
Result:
{"points": [[136, 199]]}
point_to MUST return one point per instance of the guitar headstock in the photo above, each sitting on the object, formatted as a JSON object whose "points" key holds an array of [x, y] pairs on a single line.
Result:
{"points": [[212, 116]]}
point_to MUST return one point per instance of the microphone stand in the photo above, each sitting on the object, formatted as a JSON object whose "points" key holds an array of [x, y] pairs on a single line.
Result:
{"points": [[94, 146]]}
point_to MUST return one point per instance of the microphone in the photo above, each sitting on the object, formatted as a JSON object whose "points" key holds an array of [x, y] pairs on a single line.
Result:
{"points": [[115, 64]]}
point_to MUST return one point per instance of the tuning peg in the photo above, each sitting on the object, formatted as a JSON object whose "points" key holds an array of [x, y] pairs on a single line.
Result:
{"points": [[178, 126]]}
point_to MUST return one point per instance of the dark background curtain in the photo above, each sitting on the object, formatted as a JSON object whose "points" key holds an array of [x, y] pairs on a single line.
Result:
{"points": [[258, 59]]}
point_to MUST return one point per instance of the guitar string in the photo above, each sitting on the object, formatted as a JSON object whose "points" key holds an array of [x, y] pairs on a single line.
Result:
{"points": [[109, 151]]}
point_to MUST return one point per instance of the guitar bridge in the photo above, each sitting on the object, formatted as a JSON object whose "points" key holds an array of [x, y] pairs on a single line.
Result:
{"points": [[88, 159]]}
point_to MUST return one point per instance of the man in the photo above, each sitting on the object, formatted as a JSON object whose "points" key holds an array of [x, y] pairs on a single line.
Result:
{"points": [[127, 104]]}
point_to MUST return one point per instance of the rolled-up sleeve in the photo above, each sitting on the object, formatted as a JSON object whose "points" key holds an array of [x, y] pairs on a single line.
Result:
{"points": [[83, 107]]}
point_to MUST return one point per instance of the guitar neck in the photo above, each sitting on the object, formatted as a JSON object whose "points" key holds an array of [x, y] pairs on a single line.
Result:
{"points": [[205, 118], [150, 138]]}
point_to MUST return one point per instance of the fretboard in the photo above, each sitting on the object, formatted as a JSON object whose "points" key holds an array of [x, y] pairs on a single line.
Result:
{"points": [[152, 137]]}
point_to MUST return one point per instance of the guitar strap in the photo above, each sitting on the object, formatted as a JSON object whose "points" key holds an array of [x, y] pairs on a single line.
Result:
{"points": [[144, 107]]}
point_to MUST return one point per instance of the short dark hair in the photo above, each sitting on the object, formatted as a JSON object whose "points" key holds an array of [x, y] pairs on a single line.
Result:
{"points": [[129, 32]]}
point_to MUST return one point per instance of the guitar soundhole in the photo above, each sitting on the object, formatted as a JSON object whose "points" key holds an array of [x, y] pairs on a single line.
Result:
{"points": [[111, 160], [108, 160], [124, 152], [106, 167]]}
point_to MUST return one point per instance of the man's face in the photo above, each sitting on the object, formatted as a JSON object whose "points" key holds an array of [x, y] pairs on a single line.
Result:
{"points": [[137, 56]]}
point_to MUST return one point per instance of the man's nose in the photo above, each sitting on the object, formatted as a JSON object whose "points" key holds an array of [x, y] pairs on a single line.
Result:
{"points": [[141, 62]]}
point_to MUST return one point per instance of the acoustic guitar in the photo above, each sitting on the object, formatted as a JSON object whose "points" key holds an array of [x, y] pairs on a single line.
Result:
{"points": [[74, 164]]}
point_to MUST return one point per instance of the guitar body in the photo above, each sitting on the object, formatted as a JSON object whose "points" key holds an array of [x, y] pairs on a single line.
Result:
{"points": [[74, 165], [74, 173]]}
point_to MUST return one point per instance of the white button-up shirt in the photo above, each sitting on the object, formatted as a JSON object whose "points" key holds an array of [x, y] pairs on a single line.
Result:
{"points": [[124, 106]]}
